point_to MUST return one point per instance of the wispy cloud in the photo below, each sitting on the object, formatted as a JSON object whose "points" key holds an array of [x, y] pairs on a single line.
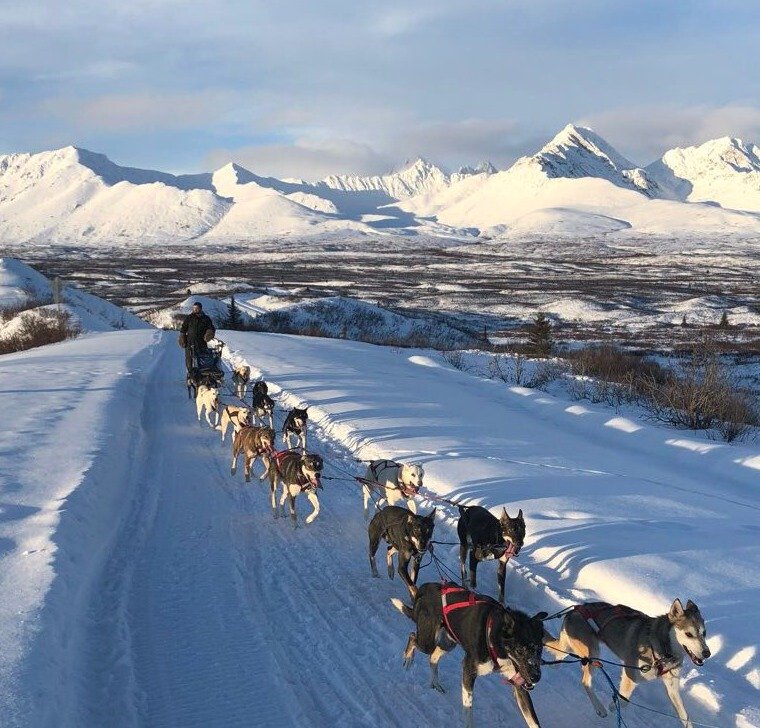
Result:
{"points": [[650, 130]]}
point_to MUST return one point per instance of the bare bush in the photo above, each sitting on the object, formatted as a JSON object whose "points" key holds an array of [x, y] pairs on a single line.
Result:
{"points": [[38, 329], [703, 397], [456, 359], [510, 370], [545, 373], [700, 396]]}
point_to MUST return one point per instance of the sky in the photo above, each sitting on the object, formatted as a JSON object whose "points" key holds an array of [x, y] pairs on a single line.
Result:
{"points": [[307, 88]]}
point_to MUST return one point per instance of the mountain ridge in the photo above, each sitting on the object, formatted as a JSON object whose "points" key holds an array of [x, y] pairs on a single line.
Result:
{"points": [[76, 195]]}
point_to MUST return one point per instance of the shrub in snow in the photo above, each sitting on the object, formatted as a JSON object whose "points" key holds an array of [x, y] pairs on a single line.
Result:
{"points": [[38, 328]]}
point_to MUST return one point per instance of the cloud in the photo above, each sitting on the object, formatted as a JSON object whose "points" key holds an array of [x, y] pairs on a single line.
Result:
{"points": [[648, 131], [303, 158], [105, 70], [142, 111]]}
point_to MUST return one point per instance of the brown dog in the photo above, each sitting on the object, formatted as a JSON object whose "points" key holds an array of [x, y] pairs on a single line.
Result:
{"points": [[253, 442]]}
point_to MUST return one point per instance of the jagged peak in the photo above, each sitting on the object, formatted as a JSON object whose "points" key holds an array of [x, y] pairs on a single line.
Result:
{"points": [[587, 140]]}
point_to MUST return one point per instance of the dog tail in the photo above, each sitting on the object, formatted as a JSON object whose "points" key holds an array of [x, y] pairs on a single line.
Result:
{"points": [[403, 608]]}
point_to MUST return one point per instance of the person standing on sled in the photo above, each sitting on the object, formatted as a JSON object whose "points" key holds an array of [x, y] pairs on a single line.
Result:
{"points": [[196, 331]]}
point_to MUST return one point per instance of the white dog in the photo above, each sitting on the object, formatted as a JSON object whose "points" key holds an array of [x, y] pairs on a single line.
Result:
{"points": [[240, 378], [238, 417], [208, 399], [397, 481]]}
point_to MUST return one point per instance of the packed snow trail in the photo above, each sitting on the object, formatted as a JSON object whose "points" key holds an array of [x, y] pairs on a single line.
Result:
{"points": [[177, 599]]}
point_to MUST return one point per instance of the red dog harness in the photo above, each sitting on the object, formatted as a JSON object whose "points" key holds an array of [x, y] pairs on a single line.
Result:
{"points": [[455, 597]]}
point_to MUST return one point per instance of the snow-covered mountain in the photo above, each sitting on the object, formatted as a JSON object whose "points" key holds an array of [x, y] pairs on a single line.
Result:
{"points": [[414, 178], [577, 184], [726, 171]]}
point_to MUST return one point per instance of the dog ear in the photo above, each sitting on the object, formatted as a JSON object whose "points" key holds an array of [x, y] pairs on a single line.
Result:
{"points": [[432, 513], [509, 622], [504, 515], [691, 607], [676, 610], [519, 514]]}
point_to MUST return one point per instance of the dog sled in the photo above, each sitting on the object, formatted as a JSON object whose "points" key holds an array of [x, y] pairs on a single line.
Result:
{"points": [[206, 363]]}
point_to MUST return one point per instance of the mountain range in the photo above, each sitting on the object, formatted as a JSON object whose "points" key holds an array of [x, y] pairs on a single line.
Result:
{"points": [[576, 185]]}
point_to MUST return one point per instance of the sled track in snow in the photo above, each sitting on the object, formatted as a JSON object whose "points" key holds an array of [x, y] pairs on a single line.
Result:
{"points": [[233, 618]]}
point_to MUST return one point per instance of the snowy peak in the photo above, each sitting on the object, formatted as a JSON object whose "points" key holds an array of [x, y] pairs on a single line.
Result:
{"points": [[725, 170], [413, 179], [578, 152]]}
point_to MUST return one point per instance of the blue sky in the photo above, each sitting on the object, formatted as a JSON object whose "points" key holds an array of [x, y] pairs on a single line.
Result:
{"points": [[312, 87]]}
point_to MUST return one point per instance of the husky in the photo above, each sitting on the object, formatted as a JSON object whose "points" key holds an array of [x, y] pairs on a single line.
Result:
{"points": [[487, 537], [240, 378], [399, 482], [207, 399], [263, 406], [407, 535], [298, 473], [656, 645], [494, 639], [295, 426], [238, 417], [253, 442]]}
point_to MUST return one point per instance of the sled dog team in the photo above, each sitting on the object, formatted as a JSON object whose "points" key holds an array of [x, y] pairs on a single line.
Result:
{"points": [[493, 637]]}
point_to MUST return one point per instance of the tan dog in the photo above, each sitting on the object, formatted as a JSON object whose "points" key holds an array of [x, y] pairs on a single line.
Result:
{"points": [[253, 442], [240, 378], [238, 417], [207, 399]]}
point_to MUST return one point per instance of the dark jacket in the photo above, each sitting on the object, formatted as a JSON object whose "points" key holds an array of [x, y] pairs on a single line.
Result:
{"points": [[196, 330]]}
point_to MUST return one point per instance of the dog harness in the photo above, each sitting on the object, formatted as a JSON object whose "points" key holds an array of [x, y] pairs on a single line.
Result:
{"points": [[591, 613], [407, 491], [301, 481], [454, 597]]}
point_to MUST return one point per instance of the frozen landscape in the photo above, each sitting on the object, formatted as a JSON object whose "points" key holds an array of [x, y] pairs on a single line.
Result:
{"points": [[144, 585]]}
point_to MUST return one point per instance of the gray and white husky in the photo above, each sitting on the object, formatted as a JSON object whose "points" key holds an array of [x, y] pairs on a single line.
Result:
{"points": [[656, 645]]}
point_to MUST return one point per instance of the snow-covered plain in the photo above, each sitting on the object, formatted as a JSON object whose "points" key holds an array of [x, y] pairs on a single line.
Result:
{"points": [[145, 586]]}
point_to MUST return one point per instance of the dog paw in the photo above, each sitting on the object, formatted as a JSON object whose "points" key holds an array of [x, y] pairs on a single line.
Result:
{"points": [[437, 687], [407, 662]]}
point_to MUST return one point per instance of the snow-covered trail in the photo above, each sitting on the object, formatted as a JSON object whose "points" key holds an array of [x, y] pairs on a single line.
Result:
{"points": [[236, 619], [178, 600]]}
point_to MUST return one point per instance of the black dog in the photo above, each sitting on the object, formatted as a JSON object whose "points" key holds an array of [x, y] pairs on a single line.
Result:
{"points": [[494, 639], [407, 535], [263, 406], [487, 537], [195, 379], [295, 426], [260, 387]]}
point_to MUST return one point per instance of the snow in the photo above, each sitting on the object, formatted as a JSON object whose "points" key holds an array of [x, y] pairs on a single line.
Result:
{"points": [[143, 585], [576, 185], [20, 284], [726, 171]]}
